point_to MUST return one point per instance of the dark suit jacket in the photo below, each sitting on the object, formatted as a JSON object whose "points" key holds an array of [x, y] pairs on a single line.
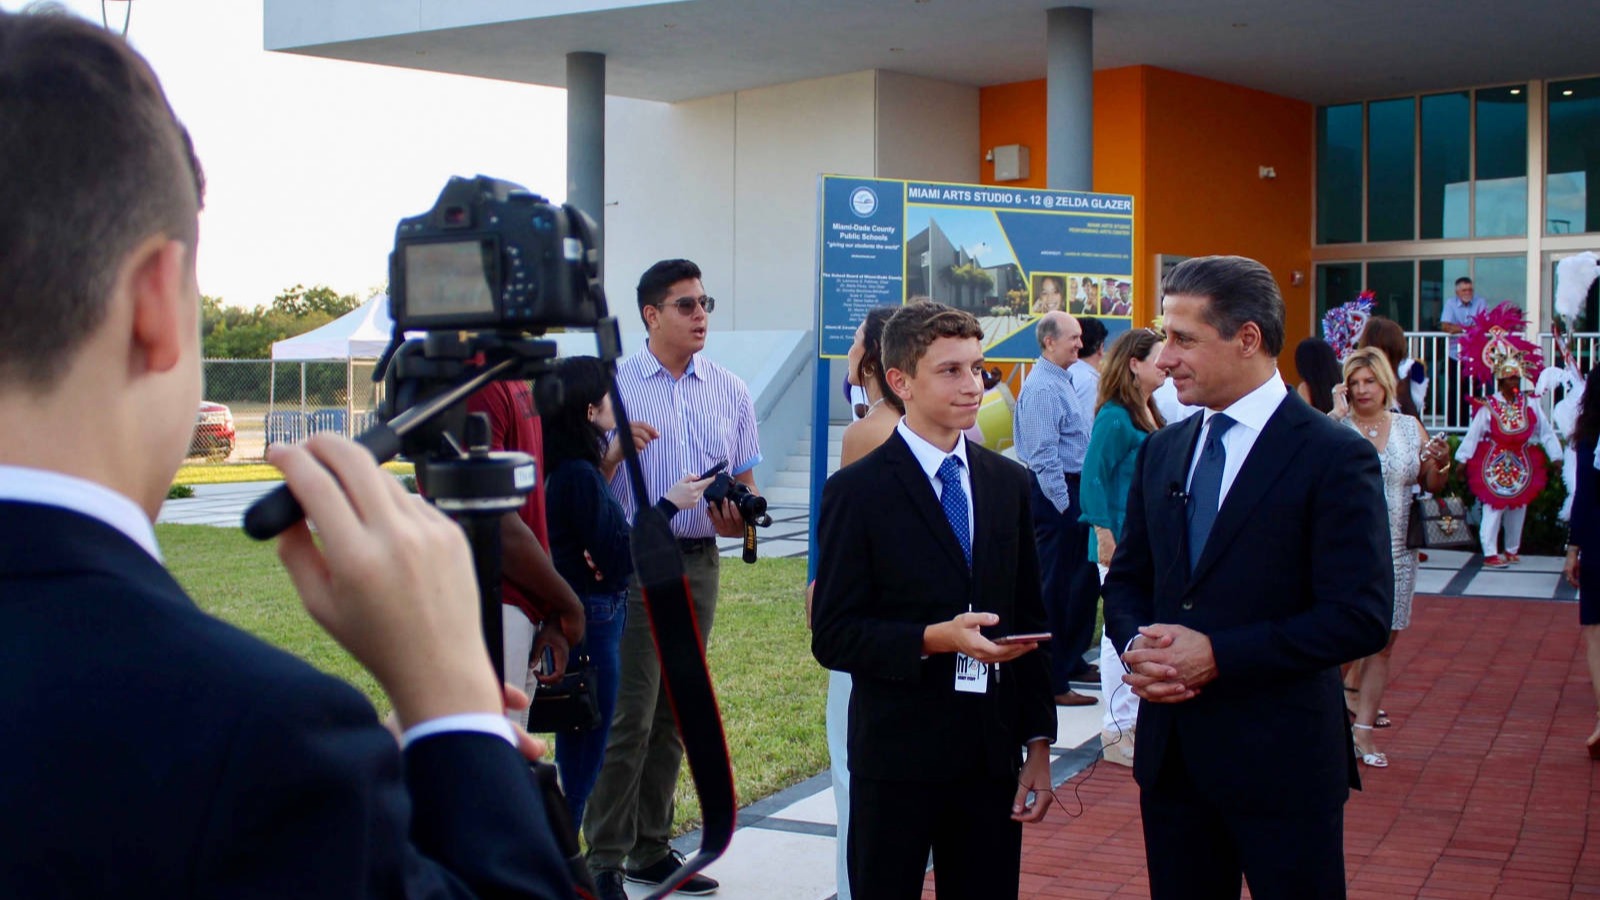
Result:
{"points": [[889, 566], [1295, 579], [151, 750]]}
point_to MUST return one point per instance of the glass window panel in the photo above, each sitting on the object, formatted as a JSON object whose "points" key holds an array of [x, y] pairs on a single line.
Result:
{"points": [[1574, 157], [1446, 158], [1500, 278], [1436, 280], [1336, 283], [1339, 174], [1393, 298], [1500, 202], [1391, 169]]}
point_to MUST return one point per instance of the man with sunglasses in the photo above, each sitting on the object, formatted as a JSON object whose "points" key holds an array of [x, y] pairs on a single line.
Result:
{"points": [[689, 414]]}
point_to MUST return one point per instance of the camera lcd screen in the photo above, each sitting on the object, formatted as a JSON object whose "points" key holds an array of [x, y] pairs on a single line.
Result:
{"points": [[448, 278]]}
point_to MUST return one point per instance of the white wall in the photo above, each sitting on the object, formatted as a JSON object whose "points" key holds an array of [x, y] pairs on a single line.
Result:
{"points": [[927, 129], [669, 193], [787, 136], [731, 181]]}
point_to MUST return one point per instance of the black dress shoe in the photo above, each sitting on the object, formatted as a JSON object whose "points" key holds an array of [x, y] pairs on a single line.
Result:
{"points": [[1091, 673], [697, 886], [608, 885]]}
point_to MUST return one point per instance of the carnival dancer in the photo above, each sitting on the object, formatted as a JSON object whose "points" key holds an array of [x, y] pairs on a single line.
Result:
{"points": [[1509, 441]]}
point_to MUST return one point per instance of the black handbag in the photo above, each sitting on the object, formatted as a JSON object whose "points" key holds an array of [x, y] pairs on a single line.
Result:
{"points": [[1439, 523], [569, 704]]}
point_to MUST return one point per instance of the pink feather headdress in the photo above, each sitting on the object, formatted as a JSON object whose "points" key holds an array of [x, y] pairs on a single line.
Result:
{"points": [[1493, 346]]}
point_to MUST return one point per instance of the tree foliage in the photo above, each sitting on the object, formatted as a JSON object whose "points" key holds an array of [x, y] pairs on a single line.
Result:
{"points": [[231, 332], [974, 276]]}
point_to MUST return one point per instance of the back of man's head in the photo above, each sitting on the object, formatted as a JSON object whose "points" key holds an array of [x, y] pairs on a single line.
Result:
{"points": [[1237, 290], [1094, 336], [916, 326], [94, 163], [656, 280]]}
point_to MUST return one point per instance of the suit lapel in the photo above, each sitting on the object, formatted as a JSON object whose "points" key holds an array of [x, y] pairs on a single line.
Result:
{"points": [[920, 494], [1271, 454], [1173, 478]]}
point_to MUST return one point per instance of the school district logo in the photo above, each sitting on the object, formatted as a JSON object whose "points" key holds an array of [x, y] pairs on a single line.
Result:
{"points": [[863, 202]]}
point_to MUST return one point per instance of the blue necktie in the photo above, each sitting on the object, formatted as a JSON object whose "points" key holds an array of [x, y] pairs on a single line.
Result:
{"points": [[954, 500], [1205, 487]]}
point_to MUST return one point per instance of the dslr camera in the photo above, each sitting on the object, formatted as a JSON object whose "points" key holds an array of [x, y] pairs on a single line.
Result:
{"points": [[751, 505], [491, 255]]}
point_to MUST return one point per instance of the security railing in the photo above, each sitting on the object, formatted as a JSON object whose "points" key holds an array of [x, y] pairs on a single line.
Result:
{"points": [[1447, 406]]}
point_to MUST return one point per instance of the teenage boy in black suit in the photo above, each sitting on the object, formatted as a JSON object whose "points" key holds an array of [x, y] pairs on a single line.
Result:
{"points": [[926, 555], [151, 750]]}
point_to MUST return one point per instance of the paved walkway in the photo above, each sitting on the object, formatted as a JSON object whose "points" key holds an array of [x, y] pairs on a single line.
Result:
{"points": [[1488, 789]]}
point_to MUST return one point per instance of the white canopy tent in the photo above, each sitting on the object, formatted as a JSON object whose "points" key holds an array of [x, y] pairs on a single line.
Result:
{"points": [[360, 334]]}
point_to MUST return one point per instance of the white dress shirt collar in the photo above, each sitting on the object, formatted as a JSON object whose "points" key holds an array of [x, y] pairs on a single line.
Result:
{"points": [[928, 456], [1255, 408], [81, 496]]}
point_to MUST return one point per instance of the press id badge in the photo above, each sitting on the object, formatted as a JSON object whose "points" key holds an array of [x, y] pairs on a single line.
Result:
{"points": [[972, 677]]}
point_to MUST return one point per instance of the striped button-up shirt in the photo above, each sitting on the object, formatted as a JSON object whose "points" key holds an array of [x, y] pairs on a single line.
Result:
{"points": [[704, 418], [1051, 429]]}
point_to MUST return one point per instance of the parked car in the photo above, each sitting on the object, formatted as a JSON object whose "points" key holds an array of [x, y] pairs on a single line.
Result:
{"points": [[213, 432]]}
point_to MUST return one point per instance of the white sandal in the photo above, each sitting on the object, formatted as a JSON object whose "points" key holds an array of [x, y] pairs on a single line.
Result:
{"points": [[1375, 759]]}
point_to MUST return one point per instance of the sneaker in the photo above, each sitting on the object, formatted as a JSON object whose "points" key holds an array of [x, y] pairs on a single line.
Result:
{"points": [[608, 885], [697, 886], [1513, 559], [1494, 562]]}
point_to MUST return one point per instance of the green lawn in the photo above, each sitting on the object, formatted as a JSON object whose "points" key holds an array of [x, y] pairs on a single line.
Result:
{"points": [[771, 691], [229, 473]]}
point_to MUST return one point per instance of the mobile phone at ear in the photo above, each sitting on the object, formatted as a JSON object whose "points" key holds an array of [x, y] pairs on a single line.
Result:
{"points": [[1037, 637]]}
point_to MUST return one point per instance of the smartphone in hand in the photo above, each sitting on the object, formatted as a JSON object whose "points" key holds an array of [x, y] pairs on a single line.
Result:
{"points": [[1037, 637]]}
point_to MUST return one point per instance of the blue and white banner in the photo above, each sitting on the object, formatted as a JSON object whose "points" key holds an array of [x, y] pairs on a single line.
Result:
{"points": [[1007, 255]]}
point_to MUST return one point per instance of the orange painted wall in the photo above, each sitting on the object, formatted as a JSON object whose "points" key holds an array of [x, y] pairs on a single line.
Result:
{"points": [[1188, 150], [1013, 114]]}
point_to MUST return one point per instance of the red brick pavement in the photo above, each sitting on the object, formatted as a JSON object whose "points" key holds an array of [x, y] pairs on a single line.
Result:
{"points": [[1488, 789]]}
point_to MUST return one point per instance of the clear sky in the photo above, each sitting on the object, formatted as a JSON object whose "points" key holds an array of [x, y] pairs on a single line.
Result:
{"points": [[311, 162]]}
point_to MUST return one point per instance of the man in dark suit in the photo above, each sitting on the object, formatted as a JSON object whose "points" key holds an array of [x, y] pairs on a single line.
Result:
{"points": [[1254, 561], [926, 554], [150, 749]]}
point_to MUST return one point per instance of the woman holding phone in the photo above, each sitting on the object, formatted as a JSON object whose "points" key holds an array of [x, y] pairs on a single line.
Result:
{"points": [[589, 546]]}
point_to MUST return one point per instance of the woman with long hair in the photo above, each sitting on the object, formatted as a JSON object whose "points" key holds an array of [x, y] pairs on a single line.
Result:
{"points": [[1319, 372], [1411, 381], [1124, 416], [865, 370], [1408, 457], [589, 546], [1586, 533], [870, 429]]}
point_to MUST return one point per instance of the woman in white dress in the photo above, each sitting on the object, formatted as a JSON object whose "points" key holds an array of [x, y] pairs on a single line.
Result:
{"points": [[1408, 457]]}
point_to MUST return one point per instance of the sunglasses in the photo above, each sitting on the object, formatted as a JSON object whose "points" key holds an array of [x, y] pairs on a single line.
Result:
{"points": [[686, 305]]}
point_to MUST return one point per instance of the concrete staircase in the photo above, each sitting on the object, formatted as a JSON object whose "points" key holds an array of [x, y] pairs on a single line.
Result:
{"points": [[792, 484]]}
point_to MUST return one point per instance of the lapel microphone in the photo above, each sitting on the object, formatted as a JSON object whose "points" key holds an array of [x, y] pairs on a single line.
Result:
{"points": [[1176, 492]]}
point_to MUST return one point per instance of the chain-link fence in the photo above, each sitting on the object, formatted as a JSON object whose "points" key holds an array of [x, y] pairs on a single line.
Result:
{"points": [[271, 401]]}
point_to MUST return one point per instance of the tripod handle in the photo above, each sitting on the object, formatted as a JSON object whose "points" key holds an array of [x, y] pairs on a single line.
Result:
{"points": [[271, 515]]}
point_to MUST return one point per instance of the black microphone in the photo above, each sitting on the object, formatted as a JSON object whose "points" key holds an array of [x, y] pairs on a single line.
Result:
{"points": [[1176, 492]]}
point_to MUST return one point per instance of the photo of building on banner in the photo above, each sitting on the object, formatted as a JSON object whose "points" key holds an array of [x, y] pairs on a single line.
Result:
{"points": [[1006, 255]]}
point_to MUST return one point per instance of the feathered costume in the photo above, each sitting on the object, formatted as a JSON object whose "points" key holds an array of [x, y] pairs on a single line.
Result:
{"points": [[1574, 275], [1342, 325], [1505, 448]]}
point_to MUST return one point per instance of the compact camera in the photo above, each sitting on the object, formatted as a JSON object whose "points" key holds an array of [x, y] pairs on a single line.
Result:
{"points": [[491, 255]]}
